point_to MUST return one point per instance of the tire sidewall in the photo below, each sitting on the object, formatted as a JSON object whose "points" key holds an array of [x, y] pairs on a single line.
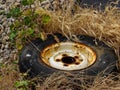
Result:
{"points": [[34, 65]]}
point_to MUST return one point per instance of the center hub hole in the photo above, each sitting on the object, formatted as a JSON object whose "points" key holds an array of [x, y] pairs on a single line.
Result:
{"points": [[68, 60]]}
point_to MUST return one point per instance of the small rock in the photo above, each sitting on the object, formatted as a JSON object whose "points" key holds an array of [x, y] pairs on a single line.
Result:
{"points": [[2, 47], [8, 31], [6, 57], [7, 46], [12, 19], [1, 26], [6, 51], [1, 60], [16, 3], [5, 24], [33, 6], [1, 51], [14, 51], [2, 6], [4, 19], [18, 0], [6, 37], [9, 22], [1, 31], [3, 34], [3, 41], [1, 16]]}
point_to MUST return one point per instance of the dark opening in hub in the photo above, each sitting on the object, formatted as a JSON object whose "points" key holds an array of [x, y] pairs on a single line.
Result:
{"points": [[68, 60]]}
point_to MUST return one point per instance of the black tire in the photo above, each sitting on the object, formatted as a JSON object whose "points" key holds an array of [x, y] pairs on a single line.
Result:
{"points": [[33, 64]]}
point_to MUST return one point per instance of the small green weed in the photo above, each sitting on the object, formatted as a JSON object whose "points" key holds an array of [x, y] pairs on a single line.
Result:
{"points": [[27, 2], [26, 24], [14, 12], [45, 19], [22, 85]]}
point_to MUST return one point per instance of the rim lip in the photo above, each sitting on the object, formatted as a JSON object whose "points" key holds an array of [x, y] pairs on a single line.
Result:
{"points": [[78, 43]]}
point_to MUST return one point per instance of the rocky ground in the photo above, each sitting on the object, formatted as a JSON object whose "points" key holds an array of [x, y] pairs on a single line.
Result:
{"points": [[6, 51]]}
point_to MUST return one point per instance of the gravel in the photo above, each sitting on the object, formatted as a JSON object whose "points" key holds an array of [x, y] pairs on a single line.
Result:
{"points": [[6, 52]]}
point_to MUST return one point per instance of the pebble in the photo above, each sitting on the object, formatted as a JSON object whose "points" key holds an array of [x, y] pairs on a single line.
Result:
{"points": [[5, 50], [7, 46], [1, 51], [1, 60], [2, 47], [5, 23], [8, 30]]}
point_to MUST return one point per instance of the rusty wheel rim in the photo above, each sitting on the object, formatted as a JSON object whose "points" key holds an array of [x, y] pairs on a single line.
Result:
{"points": [[68, 56]]}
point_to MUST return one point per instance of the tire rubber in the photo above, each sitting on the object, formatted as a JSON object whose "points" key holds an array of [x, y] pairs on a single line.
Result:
{"points": [[33, 65]]}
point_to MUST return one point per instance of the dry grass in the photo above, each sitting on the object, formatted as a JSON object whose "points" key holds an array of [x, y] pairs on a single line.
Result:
{"points": [[102, 25], [106, 83], [65, 81], [8, 77]]}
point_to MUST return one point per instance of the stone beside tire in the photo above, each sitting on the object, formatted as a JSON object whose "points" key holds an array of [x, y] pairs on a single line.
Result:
{"points": [[31, 59]]}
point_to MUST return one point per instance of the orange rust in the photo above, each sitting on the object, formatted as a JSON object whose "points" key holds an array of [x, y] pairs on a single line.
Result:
{"points": [[66, 65], [77, 63], [55, 47], [64, 55], [58, 60], [76, 57]]}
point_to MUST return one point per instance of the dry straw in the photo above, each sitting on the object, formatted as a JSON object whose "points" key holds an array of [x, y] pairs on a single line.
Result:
{"points": [[104, 25], [72, 20]]}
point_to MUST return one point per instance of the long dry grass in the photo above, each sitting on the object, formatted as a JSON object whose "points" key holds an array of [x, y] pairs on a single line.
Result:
{"points": [[103, 25]]}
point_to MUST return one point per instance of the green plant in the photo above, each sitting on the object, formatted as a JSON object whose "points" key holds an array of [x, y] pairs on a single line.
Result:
{"points": [[14, 12], [27, 2], [22, 85], [26, 24]]}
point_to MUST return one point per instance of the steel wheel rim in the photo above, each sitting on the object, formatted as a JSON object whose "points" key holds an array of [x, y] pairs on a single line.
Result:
{"points": [[68, 56]]}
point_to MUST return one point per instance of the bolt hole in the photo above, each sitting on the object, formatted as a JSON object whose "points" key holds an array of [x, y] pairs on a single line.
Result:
{"points": [[76, 57], [64, 55], [68, 60], [65, 64], [58, 60], [77, 63]]}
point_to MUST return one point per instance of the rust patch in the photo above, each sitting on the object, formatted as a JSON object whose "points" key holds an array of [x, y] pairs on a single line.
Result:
{"points": [[58, 60], [77, 63], [47, 50], [76, 46], [64, 55], [76, 57], [66, 65], [56, 48], [81, 60], [67, 60]]}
